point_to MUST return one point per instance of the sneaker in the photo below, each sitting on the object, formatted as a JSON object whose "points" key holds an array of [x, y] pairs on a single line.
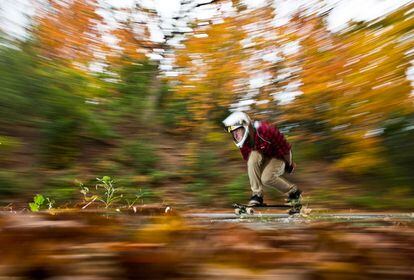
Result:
{"points": [[294, 197], [255, 200]]}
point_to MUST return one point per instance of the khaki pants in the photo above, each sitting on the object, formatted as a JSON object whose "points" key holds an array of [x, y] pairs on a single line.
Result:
{"points": [[266, 172]]}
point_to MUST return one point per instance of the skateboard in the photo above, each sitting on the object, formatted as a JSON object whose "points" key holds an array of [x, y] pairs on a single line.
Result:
{"points": [[240, 209]]}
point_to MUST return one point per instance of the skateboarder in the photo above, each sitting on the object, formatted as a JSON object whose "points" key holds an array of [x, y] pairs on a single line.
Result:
{"points": [[267, 153]]}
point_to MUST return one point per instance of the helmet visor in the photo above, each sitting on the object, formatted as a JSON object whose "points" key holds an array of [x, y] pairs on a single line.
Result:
{"points": [[232, 127]]}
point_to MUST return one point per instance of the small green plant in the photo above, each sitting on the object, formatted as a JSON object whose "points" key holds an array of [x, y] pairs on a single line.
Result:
{"points": [[50, 203], [140, 195], [131, 202], [109, 194], [88, 200], [38, 201]]}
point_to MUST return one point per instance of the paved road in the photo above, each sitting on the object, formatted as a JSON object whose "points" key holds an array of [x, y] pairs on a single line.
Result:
{"points": [[278, 220], [258, 214]]}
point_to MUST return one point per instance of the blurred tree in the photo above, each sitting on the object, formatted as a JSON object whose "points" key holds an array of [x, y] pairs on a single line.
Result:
{"points": [[132, 34], [67, 113], [374, 87], [18, 87], [315, 109], [68, 30], [55, 100], [218, 62], [398, 141], [353, 82], [210, 65], [136, 86]]}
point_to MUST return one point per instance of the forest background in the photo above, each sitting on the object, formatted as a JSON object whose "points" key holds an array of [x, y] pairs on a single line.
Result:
{"points": [[83, 98]]}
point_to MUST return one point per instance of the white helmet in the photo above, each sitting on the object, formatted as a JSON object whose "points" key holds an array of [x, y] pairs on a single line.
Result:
{"points": [[235, 121]]}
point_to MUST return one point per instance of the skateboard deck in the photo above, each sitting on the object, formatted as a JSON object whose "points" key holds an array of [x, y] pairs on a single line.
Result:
{"points": [[246, 209]]}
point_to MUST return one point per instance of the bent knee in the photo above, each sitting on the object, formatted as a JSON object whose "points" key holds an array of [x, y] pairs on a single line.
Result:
{"points": [[268, 180]]}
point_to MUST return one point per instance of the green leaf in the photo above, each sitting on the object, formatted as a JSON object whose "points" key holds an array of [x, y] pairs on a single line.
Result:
{"points": [[33, 207], [39, 199], [106, 179]]}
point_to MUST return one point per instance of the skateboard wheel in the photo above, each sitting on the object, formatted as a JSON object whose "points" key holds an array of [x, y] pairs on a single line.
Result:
{"points": [[237, 211], [294, 211], [250, 211]]}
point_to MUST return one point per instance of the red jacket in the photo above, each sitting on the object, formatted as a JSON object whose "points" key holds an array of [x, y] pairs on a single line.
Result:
{"points": [[268, 141]]}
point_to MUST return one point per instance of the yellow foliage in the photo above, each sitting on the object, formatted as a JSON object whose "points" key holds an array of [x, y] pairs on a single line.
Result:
{"points": [[68, 30], [360, 162], [215, 137], [163, 230]]}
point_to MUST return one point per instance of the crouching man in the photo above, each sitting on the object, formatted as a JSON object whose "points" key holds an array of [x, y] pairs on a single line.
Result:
{"points": [[268, 156]]}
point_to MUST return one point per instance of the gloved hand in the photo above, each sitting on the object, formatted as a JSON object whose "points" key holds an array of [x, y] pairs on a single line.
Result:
{"points": [[289, 168]]}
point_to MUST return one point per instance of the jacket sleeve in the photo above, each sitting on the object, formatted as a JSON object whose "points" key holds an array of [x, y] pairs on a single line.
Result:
{"points": [[281, 142]]}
